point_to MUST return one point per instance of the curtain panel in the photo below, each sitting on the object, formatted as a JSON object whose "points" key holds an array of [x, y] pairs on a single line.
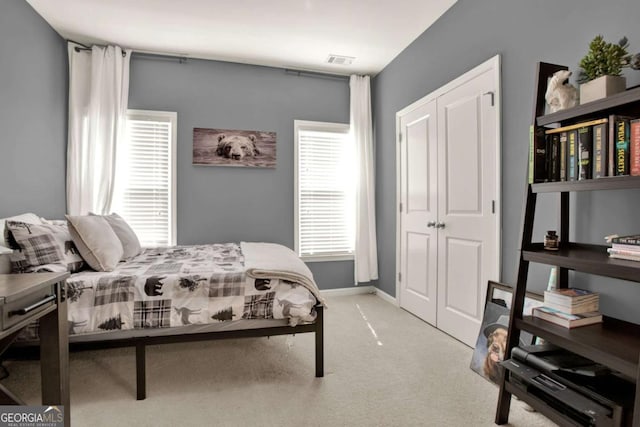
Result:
{"points": [[98, 100], [366, 250]]}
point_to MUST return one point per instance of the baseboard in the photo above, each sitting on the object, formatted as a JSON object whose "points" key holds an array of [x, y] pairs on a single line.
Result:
{"points": [[386, 297], [358, 290], [341, 292]]}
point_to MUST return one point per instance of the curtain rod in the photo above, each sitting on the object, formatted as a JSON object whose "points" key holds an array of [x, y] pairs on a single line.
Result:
{"points": [[316, 74], [84, 47]]}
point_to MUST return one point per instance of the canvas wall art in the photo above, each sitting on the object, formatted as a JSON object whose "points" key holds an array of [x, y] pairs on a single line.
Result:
{"points": [[492, 339], [225, 147]]}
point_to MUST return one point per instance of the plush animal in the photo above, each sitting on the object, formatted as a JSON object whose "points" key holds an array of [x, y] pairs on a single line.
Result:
{"points": [[560, 94]]}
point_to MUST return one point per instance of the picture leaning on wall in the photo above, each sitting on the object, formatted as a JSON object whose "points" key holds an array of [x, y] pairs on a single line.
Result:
{"points": [[225, 147]]}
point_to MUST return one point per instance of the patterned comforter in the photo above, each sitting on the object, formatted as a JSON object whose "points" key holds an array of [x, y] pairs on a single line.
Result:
{"points": [[181, 285]]}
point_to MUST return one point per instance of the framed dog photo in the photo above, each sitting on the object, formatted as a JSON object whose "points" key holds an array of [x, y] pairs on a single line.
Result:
{"points": [[492, 338], [225, 147]]}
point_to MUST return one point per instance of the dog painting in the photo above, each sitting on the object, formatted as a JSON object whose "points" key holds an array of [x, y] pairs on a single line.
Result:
{"points": [[492, 342], [224, 147]]}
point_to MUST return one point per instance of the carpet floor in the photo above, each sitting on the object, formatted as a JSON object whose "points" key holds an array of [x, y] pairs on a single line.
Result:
{"points": [[383, 367]]}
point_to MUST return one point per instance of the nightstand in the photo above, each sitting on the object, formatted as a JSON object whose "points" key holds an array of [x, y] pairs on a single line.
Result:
{"points": [[23, 299]]}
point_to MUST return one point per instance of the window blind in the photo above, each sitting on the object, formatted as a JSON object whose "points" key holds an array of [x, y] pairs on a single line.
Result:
{"points": [[146, 175], [325, 196]]}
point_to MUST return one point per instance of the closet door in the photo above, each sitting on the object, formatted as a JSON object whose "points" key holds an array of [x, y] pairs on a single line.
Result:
{"points": [[468, 233], [419, 206]]}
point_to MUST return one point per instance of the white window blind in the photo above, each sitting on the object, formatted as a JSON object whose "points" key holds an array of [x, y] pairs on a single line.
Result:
{"points": [[145, 186], [325, 217]]}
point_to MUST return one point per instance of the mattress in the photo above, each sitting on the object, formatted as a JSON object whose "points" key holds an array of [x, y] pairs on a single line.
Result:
{"points": [[178, 287]]}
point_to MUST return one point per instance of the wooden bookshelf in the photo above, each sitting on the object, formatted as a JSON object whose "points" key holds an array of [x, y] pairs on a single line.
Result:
{"points": [[613, 343]]}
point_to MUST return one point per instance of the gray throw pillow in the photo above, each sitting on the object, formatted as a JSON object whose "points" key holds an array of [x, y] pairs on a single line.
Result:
{"points": [[42, 247], [130, 244], [97, 242]]}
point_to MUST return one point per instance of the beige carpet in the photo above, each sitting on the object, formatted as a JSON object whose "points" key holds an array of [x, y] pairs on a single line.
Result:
{"points": [[415, 376]]}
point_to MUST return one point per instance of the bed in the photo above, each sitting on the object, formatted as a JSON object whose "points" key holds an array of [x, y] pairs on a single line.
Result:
{"points": [[191, 293]]}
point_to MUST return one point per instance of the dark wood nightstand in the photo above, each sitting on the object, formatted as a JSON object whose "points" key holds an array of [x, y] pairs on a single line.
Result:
{"points": [[23, 299]]}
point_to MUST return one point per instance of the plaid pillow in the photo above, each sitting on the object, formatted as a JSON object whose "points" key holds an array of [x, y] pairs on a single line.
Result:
{"points": [[42, 247]]}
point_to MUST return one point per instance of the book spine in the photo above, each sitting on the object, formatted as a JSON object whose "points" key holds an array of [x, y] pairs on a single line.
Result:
{"points": [[572, 167], [626, 240], [585, 152], [600, 151], [622, 147], [634, 147], [630, 252], [538, 141], [554, 167], [563, 156], [611, 146]]}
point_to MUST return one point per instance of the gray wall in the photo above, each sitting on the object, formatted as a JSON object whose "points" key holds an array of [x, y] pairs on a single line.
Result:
{"points": [[217, 204], [523, 33], [33, 113]]}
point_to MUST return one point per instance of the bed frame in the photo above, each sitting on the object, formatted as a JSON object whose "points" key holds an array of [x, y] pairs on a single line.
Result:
{"points": [[140, 343]]}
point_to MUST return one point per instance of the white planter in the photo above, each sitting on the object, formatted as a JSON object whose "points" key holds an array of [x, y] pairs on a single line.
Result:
{"points": [[601, 88]]}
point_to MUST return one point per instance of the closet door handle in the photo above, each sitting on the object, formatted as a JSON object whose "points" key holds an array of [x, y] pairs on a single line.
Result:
{"points": [[431, 224], [440, 225]]}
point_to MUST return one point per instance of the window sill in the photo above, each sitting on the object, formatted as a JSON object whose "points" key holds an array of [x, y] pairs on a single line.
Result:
{"points": [[325, 258]]}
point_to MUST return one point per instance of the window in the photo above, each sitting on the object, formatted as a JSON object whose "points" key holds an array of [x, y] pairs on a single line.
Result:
{"points": [[325, 191], [145, 192]]}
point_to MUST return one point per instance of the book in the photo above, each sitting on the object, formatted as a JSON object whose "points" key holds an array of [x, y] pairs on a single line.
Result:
{"points": [[572, 167], [568, 295], [585, 307], [622, 146], [625, 257], [633, 239], [585, 152], [563, 156], [631, 252], [600, 150], [625, 247], [634, 147], [576, 126], [553, 155], [537, 156], [611, 143], [565, 319]]}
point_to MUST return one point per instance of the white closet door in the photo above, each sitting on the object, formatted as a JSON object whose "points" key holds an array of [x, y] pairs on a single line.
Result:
{"points": [[418, 195]]}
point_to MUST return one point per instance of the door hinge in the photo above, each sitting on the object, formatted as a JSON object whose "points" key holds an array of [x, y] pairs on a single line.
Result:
{"points": [[399, 138], [493, 206], [401, 207], [399, 277]]}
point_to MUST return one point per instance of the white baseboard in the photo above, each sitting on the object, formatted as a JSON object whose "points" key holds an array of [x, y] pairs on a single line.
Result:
{"points": [[358, 290], [385, 296], [341, 292]]}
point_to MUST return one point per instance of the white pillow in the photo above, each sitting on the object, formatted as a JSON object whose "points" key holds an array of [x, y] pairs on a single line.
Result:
{"points": [[97, 242], [130, 243]]}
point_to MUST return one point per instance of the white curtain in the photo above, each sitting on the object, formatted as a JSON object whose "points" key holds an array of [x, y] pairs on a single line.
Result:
{"points": [[98, 99], [366, 250]]}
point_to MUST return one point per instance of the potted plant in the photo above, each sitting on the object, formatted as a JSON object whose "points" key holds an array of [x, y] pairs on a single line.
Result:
{"points": [[601, 73]]}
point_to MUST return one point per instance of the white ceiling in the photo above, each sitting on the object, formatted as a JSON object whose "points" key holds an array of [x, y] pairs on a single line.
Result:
{"points": [[297, 34]]}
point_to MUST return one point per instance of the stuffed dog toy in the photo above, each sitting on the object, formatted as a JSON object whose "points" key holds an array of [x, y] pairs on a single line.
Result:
{"points": [[560, 94]]}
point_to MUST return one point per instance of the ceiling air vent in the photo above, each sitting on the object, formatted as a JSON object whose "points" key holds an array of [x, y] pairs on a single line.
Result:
{"points": [[340, 59]]}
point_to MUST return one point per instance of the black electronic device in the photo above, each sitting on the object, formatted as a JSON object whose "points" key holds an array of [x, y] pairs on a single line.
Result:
{"points": [[592, 380], [571, 406]]}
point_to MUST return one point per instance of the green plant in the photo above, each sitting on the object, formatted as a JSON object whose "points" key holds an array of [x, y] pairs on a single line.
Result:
{"points": [[606, 59]]}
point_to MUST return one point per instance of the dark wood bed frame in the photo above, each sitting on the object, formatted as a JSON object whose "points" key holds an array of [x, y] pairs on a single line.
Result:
{"points": [[140, 343]]}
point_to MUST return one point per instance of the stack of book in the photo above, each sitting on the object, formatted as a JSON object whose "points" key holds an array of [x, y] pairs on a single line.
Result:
{"points": [[570, 307], [625, 247]]}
